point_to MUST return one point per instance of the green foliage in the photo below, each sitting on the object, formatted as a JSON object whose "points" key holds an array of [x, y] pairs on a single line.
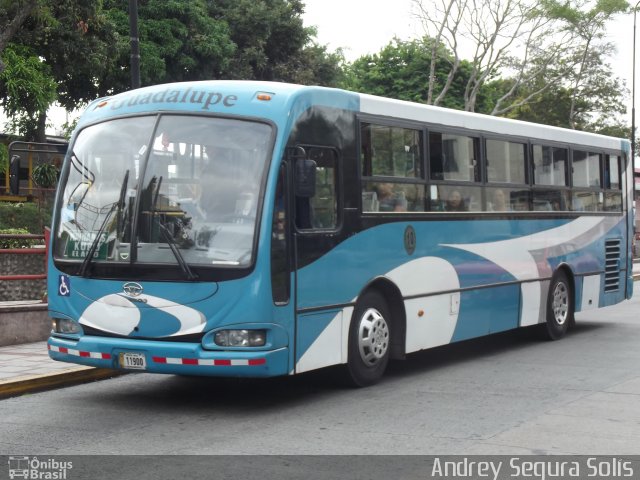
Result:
{"points": [[237, 39], [15, 242], [77, 42], [23, 215], [45, 175], [179, 41], [27, 89], [4, 158], [69, 127], [400, 70], [75, 51], [271, 43], [594, 91]]}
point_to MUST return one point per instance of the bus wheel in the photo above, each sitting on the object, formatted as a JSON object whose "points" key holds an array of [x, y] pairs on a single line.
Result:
{"points": [[369, 340], [559, 307]]}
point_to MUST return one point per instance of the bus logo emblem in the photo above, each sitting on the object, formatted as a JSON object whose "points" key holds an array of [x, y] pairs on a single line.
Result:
{"points": [[410, 240], [132, 289]]}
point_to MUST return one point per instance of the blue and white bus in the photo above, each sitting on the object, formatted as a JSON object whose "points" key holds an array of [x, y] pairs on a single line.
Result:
{"points": [[235, 228]]}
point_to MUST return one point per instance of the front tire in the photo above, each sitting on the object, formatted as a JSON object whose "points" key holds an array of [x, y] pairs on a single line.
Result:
{"points": [[560, 308], [369, 340]]}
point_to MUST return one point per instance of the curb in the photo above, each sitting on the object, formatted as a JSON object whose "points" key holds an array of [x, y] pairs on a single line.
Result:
{"points": [[48, 381]]}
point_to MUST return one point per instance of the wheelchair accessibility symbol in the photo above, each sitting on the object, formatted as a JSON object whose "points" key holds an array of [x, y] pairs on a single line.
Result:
{"points": [[64, 286]]}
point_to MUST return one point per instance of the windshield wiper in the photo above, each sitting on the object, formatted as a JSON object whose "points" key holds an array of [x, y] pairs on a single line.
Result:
{"points": [[96, 241], [184, 266]]}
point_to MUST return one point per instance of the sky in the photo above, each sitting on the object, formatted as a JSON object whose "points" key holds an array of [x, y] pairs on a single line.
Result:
{"points": [[365, 26]]}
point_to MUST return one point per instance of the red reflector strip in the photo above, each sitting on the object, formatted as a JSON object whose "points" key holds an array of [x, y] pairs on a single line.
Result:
{"points": [[210, 362], [80, 353]]}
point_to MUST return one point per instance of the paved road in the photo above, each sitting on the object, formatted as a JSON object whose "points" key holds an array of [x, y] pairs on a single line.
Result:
{"points": [[505, 394]]}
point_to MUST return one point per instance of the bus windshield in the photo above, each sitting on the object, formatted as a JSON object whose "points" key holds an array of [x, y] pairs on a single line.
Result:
{"points": [[169, 189]]}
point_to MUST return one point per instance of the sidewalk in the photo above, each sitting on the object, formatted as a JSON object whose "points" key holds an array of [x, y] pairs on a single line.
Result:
{"points": [[27, 368]]}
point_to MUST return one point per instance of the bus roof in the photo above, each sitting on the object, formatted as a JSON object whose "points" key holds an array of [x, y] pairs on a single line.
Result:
{"points": [[485, 123], [241, 97]]}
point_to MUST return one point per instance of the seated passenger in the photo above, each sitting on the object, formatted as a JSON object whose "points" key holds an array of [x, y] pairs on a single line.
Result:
{"points": [[499, 201], [388, 200], [455, 202]]}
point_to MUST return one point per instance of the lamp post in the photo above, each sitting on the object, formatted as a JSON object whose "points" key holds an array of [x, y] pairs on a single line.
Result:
{"points": [[633, 105]]}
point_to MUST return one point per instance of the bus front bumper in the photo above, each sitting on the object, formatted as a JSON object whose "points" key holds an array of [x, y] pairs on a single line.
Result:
{"points": [[168, 357]]}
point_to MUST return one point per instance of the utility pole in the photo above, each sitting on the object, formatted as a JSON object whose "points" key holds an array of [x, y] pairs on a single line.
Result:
{"points": [[135, 44]]}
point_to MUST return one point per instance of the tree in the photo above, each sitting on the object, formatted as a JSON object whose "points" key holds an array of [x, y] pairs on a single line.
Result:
{"points": [[597, 109], [179, 41], [493, 30], [587, 28], [27, 90], [184, 40], [273, 44], [64, 41], [85, 50], [12, 15], [397, 71]]}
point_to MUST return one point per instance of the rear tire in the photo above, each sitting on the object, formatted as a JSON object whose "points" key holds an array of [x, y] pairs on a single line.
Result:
{"points": [[560, 307], [369, 340]]}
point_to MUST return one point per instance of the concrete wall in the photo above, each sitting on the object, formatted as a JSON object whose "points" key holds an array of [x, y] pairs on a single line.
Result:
{"points": [[19, 264], [23, 323]]}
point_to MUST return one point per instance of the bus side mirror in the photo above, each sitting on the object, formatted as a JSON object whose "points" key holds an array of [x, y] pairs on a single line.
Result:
{"points": [[14, 175], [305, 178]]}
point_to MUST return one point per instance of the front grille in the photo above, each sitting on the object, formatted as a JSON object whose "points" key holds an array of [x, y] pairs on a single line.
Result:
{"points": [[191, 338], [612, 265]]}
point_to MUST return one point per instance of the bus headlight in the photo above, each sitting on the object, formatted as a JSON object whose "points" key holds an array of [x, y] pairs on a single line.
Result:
{"points": [[240, 338], [64, 325]]}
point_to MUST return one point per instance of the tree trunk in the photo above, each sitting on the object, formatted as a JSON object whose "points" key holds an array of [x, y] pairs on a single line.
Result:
{"points": [[40, 134]]}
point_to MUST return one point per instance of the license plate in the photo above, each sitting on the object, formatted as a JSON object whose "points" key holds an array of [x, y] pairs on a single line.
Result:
{"points": [[133, 361]]}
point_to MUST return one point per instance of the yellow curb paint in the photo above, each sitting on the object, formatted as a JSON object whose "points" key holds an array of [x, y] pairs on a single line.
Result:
{"points": [[12, 387]]}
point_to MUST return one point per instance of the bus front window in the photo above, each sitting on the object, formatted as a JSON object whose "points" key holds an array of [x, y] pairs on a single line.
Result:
{"points": [[163, 190]]}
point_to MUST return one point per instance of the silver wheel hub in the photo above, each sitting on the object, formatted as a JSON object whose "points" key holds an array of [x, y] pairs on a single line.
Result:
{"points": [[560, 303], [373, 337]]}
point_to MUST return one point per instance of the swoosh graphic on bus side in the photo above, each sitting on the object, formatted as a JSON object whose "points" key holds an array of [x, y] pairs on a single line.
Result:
{"points": [[526, 257], [434, 326]]}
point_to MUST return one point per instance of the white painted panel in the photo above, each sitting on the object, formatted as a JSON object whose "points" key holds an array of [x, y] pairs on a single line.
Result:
{"points": [[530, 309], [326, 349], [590, 292]]}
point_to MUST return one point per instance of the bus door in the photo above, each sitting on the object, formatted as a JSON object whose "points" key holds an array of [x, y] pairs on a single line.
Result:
{"points": [[317, 215]]}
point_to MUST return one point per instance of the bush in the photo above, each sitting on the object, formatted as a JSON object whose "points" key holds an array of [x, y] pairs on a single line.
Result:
{"points": [[15, 243], [24, 215], [45, 175], [4, 159]]}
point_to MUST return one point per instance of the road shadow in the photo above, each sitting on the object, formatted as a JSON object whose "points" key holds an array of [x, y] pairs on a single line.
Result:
{"points": [[245, 395]]}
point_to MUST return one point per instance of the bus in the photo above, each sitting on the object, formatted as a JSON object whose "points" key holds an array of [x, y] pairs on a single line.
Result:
{"points": [[256, 229]]}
